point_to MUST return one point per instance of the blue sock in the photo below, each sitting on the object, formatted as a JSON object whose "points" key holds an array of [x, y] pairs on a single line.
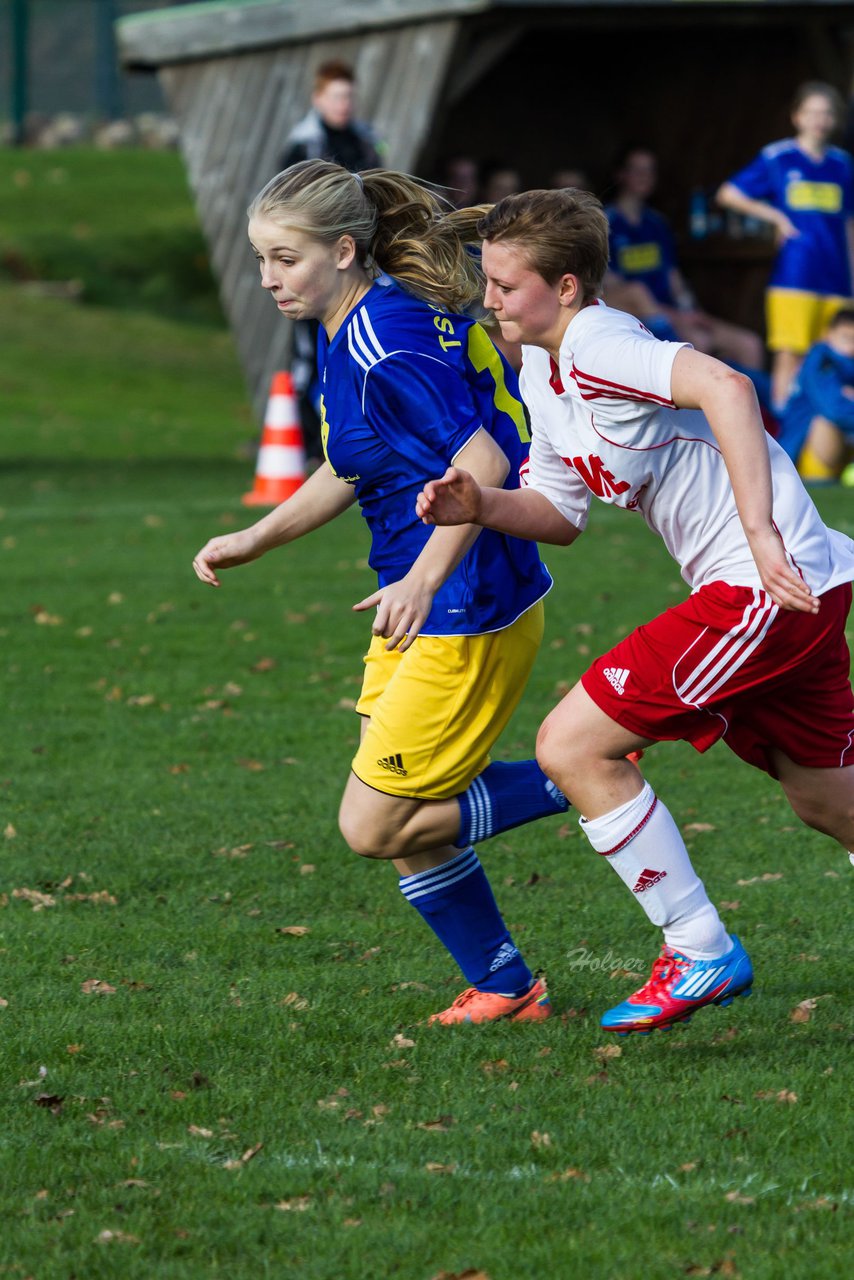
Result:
{"points": [[456, 902], [506, 795]]}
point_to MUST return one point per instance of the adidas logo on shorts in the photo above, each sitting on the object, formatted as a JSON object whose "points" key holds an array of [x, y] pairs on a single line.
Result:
{"points": [[617, 676], [394, 764]]}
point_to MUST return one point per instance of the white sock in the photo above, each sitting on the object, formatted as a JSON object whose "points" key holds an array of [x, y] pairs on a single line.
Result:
{"points": [[642, 843]]}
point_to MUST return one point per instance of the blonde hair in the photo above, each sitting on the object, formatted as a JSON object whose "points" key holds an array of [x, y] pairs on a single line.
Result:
{"points": [[562, 232], [400, 225]]}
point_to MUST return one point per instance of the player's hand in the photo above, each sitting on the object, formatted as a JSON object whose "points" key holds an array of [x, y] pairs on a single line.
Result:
{"points": [[785, 229], [402, 608], [785, 587], [224, 553], [455, 499]]}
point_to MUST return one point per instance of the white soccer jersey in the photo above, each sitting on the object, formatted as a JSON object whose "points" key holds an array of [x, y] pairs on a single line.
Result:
{"points": [[608, 426]]}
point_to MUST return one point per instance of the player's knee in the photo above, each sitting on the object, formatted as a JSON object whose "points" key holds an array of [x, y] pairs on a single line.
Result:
{"points": [[365, 837], [555, 751]]}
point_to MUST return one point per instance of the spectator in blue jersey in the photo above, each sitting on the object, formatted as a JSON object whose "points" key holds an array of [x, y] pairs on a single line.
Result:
{"points": [[410, 384], [644, 277], [804, 188], [817, 425]]}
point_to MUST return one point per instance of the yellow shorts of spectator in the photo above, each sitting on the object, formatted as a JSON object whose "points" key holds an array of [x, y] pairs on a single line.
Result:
{"points": [[437, 709], [796, 319]]}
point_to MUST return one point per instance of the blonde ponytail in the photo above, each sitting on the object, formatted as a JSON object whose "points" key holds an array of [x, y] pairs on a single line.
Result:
{"points": [[400, 226]]}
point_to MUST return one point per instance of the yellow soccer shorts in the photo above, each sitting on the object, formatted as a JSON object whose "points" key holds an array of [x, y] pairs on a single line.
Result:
{"points": [[795, 319], [437, 709]]}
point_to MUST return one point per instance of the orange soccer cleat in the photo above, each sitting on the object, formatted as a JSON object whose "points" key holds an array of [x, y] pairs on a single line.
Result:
{"points": [[486, 1006]]}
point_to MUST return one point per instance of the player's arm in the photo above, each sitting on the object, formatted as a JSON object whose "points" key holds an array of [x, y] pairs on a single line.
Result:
{"points": [[729, 404], [849, 239], [402, 607], [729, 196], [457, 498], [315, 503]]}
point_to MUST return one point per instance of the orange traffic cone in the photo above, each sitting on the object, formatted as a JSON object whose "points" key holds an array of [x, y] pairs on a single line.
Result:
{"points": [[280, 469]]}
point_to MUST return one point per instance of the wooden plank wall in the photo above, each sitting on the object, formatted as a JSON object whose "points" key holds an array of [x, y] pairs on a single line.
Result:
{"points": [[234, 115]]}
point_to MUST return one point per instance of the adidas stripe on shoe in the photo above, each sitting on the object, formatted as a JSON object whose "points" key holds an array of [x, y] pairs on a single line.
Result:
{"points": [[678, 986]]}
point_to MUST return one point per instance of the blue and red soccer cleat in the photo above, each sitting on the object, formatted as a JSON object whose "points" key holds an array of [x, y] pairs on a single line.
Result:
{"points": [[678, 987]]}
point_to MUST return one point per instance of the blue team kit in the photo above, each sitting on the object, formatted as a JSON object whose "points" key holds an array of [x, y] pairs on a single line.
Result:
{"points": [[394, 352]]}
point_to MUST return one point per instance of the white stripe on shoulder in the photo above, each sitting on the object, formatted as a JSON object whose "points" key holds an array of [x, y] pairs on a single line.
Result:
{"points": [[355, 329], [369, 333], [353, 352]]}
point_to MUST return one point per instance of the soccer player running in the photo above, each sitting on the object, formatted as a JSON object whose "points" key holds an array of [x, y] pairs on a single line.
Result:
{"points": [[756, 655], [410, 385]]}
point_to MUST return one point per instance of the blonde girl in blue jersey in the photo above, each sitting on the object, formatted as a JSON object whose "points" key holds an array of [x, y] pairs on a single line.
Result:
{"points": [[408, 380], [804, 188]]}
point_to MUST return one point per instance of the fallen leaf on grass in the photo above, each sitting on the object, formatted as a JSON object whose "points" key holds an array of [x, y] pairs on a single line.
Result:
{"points": [[198, 1132], [569, 1175], [471, 1273], [803, 1012], [294, 930], [9, 831], [4, 1004], [116, 1237], [254, 766], [763, 879], [294, 1001], [730, 906], [307, 869], [440, 1125], [249, 1154], [401, 1042], [352, 1222], [735, 1197], [692, 827], [782, 1095], [239, 851], [604, 1052], [296, 1204], [821, 1203], [334, 1100], [492, 1068], [263, 664], [95, 987], [432, 1166], [39, 900], [539, 1140]]}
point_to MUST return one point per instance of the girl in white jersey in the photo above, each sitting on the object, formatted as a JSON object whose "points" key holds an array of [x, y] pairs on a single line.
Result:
{"points": [[756, 655]]}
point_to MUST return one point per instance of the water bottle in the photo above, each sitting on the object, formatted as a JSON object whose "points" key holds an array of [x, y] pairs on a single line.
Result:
{"points": [[698, 217]]}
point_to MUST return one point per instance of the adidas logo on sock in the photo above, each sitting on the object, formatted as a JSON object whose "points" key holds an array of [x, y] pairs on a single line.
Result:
{"points": [[617, 676], [506, 953], [647, 879], [394, 764]]}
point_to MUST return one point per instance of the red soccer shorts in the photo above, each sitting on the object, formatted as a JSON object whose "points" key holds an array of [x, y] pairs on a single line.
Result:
{"points": [[729, 663]]}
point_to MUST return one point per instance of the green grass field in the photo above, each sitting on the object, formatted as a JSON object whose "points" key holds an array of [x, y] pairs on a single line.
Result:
{"points": [[213, 1057]]}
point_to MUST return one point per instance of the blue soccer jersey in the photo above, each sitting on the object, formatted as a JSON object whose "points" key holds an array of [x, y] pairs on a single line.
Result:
{"points": [[404, 386], [643, 251], [818, 198], [819, 390]]}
